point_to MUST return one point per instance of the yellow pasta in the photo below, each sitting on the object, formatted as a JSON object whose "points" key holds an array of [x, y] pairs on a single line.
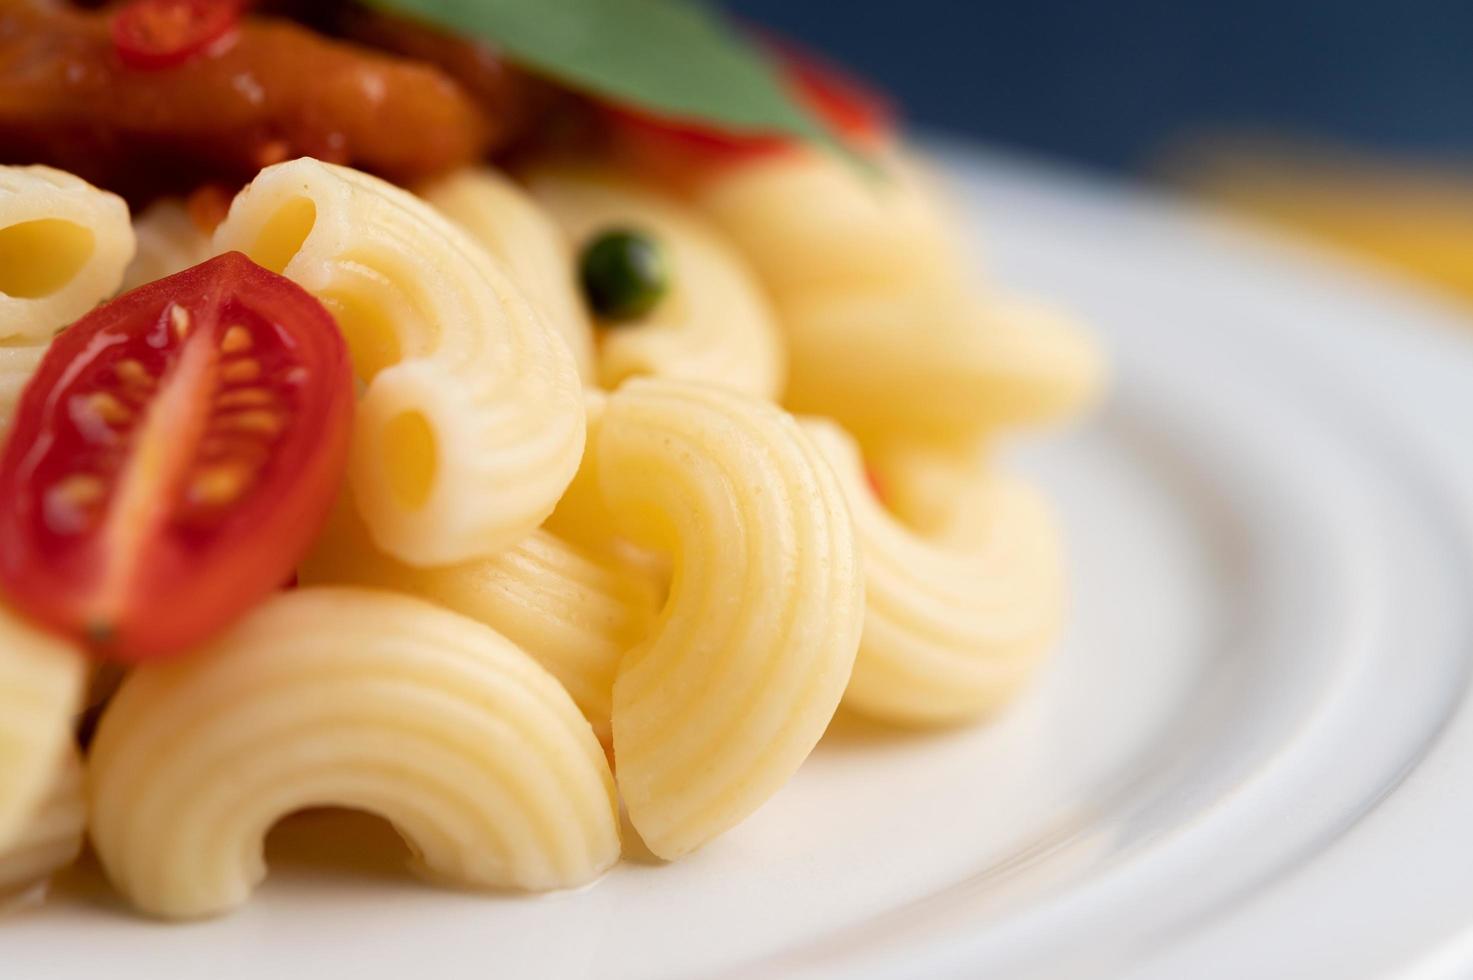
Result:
{"points": [[732, 689], [169, 241], [574, 610], [504, 220], [354, 698], [808, 221], [41, 683], [471, 423], [63, 247], [955, 623], [52, 835], [714, 324], [884, 332], [935, 366]]}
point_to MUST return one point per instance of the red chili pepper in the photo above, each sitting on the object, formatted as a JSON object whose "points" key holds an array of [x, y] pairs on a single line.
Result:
{"points": [[854, 111], [155, 34]]}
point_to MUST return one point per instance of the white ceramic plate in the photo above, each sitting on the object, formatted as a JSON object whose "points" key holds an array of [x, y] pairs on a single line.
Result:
{"points": [[1251, 757]]}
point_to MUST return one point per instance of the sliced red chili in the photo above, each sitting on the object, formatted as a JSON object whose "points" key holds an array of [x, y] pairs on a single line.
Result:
{"points": [[156, 34], [854, 111]]}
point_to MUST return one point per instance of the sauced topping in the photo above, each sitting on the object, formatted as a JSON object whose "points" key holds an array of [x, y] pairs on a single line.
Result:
{"points": [[280, 90]]}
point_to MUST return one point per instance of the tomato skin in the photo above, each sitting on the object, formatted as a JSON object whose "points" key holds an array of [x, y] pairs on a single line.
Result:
{"points": [[166, 471], [151, 35], [856, 113]]}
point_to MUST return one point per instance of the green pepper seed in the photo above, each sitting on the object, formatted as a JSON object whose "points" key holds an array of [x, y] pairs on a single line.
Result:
{"points": [[624, 274]]}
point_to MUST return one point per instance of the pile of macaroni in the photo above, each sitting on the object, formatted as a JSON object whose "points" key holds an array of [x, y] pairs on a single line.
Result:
{"points": [[576, 564]]}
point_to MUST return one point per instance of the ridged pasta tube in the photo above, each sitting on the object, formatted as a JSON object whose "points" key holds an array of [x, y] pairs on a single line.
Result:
{"points": [[713, 325], [63, 247], [169, 241], [52, 835], [504, 220], [953, 625], [742, 673], [807, 221], [574, 610], [471, 422], [885, 333], [353, 698], [42, 679], [935, 367]]}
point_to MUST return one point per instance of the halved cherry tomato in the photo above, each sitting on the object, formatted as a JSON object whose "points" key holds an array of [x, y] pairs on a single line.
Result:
{"points": [[155, 34], [172, 459], [854, 111]]}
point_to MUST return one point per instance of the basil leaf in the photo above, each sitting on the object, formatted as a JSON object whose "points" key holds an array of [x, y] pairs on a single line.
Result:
{"points": [[674, 58]]}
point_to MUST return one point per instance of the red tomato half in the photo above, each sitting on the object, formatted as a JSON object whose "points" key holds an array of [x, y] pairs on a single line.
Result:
{"points": [[172, 459], [156, 34], [854, 111]]}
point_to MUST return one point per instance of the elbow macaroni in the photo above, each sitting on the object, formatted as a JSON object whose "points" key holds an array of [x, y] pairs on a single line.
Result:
{"points": [[63, 247], [883, 333], [42, 679], [806, 221], [525, 572], [935, 367], [955, 624], [714, 325], [575, 611], [504, 220], [718, 707], [354, 698], [52, 835], [471, 423]]}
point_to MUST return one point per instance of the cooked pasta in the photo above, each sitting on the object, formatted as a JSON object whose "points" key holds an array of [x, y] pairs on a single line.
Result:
{"points": [[714, 325], [807, 221], [718, 707], [353, 698], [574, 610], [935, 366], [657, 449], [41, 684], [503, 219], [471, 423], [52, 836], [169, 241], [884, 332], [63, 247], [953, 625]]}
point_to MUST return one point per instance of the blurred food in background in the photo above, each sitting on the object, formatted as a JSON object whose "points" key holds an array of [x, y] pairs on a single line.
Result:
{"points": [[1411, 214], [1110, 85]]}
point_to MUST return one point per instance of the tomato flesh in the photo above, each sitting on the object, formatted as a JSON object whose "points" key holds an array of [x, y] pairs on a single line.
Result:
{"points": [[157, 34], [854, 111], [173, 457]]}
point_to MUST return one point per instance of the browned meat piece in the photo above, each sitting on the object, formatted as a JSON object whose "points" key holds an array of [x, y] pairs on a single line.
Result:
{"points": [[280, 91]]}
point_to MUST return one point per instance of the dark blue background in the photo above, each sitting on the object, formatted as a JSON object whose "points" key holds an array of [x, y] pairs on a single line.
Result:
{"points": [[1108, 81]]}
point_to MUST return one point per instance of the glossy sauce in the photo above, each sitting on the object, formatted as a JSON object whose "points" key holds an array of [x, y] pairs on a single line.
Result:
{"points": [[280, 91]]}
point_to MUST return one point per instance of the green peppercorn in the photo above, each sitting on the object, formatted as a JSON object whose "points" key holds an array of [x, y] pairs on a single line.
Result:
{"points": [[623, 273]]}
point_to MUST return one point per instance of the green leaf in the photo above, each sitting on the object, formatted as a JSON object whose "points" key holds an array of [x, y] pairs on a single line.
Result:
{"points": [[674, 58]]}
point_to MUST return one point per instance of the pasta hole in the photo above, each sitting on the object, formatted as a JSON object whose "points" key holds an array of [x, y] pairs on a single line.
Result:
{"points": [[38, 258], [409, 444], [284, 234], [369, 332], [338, 841]]}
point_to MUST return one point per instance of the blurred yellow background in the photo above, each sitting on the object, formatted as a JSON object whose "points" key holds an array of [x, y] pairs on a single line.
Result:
{"points": [[1409, 215]]}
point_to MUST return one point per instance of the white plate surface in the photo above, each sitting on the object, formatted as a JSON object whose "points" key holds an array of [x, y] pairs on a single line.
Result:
{"points": [[1252, 755]]}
